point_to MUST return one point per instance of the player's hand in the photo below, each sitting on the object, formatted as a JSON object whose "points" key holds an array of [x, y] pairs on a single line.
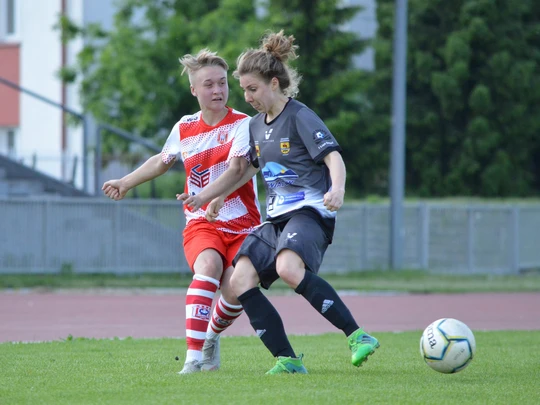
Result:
{"points": [[212, 211], [333, 199], [193, 202], [114, 189]]}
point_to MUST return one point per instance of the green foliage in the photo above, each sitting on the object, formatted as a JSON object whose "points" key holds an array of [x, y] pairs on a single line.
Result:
{"points": [[132, 78], [473, 89], [473, 99], [332, 86], [143, 371]]}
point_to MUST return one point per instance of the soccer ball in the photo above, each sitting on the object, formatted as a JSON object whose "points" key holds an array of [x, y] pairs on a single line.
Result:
{"points": [[447, 345]]}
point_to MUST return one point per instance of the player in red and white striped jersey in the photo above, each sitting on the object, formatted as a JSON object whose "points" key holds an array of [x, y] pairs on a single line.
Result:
{"points": [[213, 145]]}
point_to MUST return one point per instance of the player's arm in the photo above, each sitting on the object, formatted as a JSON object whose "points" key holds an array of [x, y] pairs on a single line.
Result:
{"points": [[238, 173], [149, 170], [333, 199]]}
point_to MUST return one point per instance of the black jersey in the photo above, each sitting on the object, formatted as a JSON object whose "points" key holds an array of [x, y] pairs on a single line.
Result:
{"points": [[290, 151]]}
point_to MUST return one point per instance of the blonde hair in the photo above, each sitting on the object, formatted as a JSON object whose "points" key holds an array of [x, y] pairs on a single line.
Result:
{"points": [[271, 60], [193, 63]]}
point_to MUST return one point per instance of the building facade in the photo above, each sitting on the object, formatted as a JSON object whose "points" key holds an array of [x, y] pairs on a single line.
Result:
{"points": [[32, 131]]}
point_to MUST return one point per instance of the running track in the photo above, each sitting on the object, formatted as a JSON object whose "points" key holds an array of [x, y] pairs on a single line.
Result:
{"points": [[35, 316]]}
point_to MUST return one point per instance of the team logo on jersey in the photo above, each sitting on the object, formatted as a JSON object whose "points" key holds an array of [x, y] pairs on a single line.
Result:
{"points": [[319, 135], [285, 146], [258, 150], [184, 155], [201, 312], [199, 179], [222, 137]]}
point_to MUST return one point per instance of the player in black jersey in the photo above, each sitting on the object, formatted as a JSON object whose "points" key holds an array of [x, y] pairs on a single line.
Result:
{"points": [[304, 176]]}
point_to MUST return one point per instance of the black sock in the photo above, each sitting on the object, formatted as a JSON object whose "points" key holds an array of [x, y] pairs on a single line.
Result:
{"points": [[325, 299], [267, 323]]}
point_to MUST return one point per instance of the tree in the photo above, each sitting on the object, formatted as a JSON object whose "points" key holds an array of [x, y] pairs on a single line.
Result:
{"points": [[332, 86], [131, 77], [473, 95]]}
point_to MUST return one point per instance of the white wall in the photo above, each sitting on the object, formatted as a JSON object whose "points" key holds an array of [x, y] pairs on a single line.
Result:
{"points": [[40, 53], [41, 58]]}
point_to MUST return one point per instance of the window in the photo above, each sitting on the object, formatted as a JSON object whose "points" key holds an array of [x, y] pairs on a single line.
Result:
{"points": [[10, 17], [11, 143], [9, 20], [8, 142]]}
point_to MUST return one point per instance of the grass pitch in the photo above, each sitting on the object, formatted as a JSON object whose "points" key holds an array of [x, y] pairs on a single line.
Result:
{"points": [[506, 370]]}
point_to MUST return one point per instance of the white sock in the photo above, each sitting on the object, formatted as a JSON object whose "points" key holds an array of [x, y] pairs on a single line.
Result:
{"points": [[210, 334], [193, 355]]}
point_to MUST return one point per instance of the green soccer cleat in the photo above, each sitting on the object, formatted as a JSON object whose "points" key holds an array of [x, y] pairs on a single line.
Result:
{"points": [[288, 365], [362, 346]]}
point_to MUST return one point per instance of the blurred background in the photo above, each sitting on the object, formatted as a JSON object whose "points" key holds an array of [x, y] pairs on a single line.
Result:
{"points": [[89, 89]]}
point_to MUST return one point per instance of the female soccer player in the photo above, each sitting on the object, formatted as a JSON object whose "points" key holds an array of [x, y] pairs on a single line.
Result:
{"points": [[304, 176], [211, 143]]}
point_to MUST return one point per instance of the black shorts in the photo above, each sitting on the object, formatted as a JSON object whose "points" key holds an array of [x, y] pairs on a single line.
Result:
{"points": [[302, 234]]}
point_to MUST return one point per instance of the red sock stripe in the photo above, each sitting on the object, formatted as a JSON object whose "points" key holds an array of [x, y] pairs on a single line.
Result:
{"points": [[203, 285], [222, 320], [198, 313]]}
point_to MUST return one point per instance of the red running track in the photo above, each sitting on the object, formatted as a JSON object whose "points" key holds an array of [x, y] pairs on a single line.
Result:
{"points": [[35, 316]]}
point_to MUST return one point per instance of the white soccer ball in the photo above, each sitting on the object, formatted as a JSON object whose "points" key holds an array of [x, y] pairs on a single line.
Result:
{"points": [[447, 345]]}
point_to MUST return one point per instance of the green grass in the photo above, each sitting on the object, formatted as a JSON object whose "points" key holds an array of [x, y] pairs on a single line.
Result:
{"points": [[131, 371], [365, 281]]}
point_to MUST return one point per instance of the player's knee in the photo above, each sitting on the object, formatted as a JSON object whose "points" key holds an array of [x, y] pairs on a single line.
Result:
{"points": [[290, 268], [209, 266], [244, 276], [291, 275]]}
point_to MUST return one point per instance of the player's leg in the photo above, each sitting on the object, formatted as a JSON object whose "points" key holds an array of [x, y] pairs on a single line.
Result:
{"points": [[255, 264], [226, 310], [298, 261], [203, 254]]}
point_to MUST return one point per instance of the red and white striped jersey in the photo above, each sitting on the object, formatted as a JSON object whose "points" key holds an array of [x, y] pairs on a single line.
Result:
{"points": [[206, 152]]}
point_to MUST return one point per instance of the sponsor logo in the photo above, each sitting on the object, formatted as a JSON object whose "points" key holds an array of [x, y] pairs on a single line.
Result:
{"points": [[258, 150], [222, 322], [260, 332], [431, 337], [327, 143], [184, 155], [199, 179], [277, 175], [268, 133], [201, 312], [319, 135], [325, 305], [291, 235], [291, 198]]}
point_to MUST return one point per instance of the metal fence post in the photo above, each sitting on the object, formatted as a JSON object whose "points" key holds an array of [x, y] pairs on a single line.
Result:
{"points": [[116, 235], [45, 235], [363, 254], [423, 240], [97, 163], [470, 239], [514, 232]]}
